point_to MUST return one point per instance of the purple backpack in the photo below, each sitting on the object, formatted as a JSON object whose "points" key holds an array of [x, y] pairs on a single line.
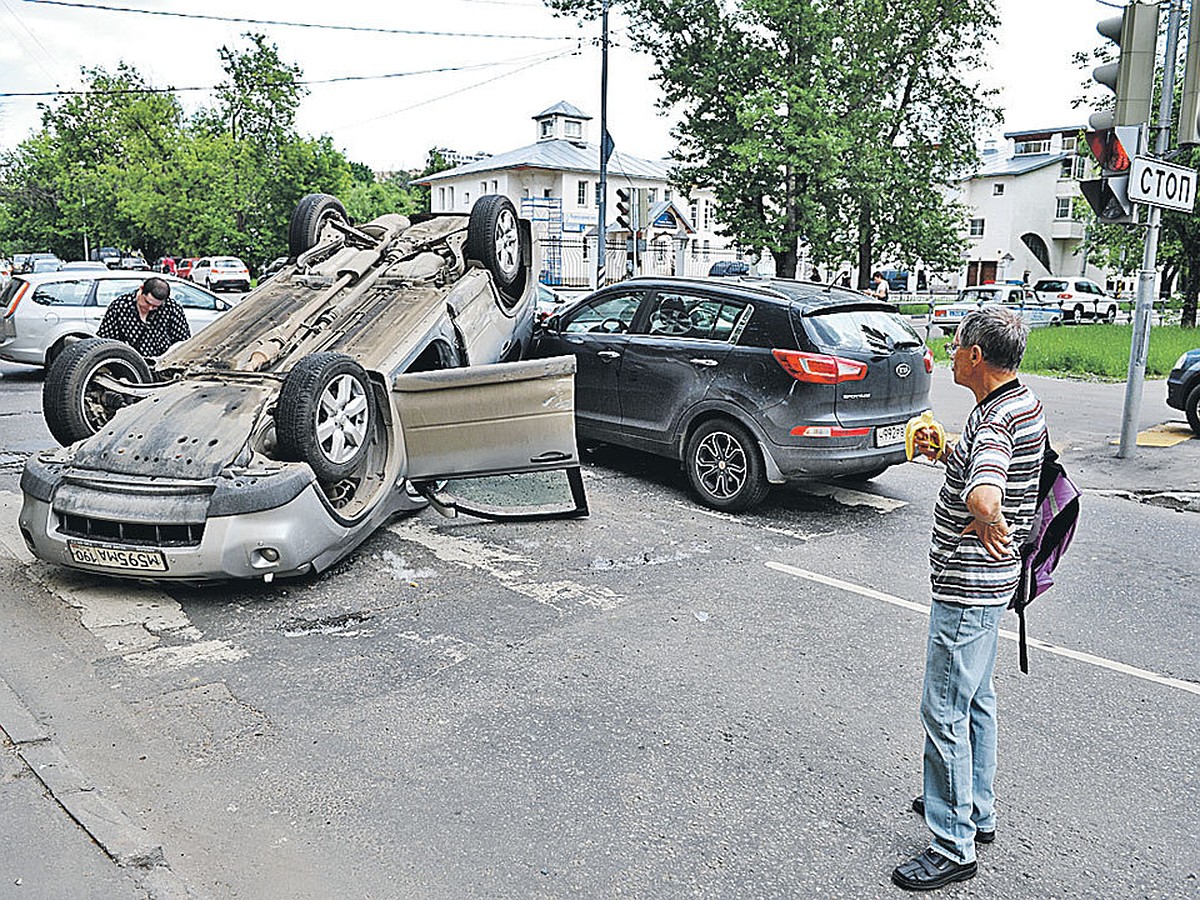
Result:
{"points": [[1053, 527]]}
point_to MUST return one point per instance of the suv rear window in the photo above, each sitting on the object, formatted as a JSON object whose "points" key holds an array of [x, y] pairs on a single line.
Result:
{"points": [[1052, 284], [863, 330]]}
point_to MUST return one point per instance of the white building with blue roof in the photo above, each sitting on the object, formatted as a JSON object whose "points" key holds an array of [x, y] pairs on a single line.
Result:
{"points": [[1022, 209], [555, 182]]}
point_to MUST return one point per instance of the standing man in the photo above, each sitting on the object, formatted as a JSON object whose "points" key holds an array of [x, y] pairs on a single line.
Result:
{"points": [[982, 514], [147, 319], [879, 286]]}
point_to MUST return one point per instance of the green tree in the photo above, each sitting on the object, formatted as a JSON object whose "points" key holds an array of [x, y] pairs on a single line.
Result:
{"points": [[841, 125]]}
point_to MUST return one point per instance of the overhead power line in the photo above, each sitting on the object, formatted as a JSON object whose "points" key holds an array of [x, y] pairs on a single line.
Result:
{"points": [[305, 81], [242, 20]]}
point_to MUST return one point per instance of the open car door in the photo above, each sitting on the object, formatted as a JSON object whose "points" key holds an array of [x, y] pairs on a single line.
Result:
{"points": [[501, 436]]}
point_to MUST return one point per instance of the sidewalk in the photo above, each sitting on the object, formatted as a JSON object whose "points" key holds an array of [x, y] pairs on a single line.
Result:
{"points": [[1085, 422]]}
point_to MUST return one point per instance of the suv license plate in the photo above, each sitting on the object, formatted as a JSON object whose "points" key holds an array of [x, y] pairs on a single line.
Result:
{"points": [[887, 435], [120, 558]]}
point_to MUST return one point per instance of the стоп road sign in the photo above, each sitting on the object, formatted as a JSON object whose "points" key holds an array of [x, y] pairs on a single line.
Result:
{"points": [[1156, 183]]}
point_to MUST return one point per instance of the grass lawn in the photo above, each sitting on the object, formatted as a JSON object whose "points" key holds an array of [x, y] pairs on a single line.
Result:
{"points": [[1095, 351]]}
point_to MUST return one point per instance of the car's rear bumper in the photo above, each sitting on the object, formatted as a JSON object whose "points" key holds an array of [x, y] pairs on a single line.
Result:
{"points": [[799, 463]]}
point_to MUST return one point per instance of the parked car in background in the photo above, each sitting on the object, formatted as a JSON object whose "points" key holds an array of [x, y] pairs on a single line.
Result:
{"points": [[749, 382], [84, 265], [6, 271], [725, 267], [35, 262], [110, 256], [1016, 297], [221, 273], [133, 264], [44, 314], [1080, 299], [1183, 387], [549, 302], [339, 393], [183, 268]]}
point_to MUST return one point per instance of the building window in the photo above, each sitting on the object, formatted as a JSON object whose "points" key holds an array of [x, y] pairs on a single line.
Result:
{"points": [[652, 195], [997, 190], [546, 193], [976, 228], [441, 198], [466, 198], [547, 128], [1080, 168], [482, 188], [450, 197], [692, 212], [495, 187], [573, 128], [1062, 207], [581, 199], [1068, 142], [1026, 148], [666, 193], [597, 195], [1067, 167]]}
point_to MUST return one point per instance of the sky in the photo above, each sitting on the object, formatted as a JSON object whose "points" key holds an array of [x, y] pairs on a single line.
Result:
{"points": [[500, 82]]}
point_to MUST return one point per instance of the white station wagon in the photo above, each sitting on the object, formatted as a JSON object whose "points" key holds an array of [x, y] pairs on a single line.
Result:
{"points": [[1016, 297]]}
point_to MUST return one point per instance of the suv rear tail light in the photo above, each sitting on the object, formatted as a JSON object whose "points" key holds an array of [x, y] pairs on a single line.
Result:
{"points": [[928, 361], [824, 431], [12, 306], [818, 368]]}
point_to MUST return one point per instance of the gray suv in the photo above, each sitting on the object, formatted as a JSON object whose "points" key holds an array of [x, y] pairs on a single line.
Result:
{"points": [[749, 382]]}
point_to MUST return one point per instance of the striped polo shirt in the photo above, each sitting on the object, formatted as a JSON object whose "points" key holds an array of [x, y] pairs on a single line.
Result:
{"points": [[1002, 444]]}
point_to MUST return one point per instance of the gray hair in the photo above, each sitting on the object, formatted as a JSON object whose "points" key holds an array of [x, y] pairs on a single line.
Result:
{"points": [[999, 333]]}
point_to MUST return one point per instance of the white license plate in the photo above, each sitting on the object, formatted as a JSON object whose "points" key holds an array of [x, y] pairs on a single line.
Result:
{"points": [[120, 558], [887, 435]]}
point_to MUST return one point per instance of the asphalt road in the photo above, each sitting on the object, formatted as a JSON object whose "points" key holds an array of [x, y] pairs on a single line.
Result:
{"points": [[657, 701]]}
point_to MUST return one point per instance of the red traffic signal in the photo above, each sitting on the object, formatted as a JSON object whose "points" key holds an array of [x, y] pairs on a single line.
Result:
{"points": [[1108, 150]]}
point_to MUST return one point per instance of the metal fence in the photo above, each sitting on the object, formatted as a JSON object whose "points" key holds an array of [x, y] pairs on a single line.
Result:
{"points": [[568, 260]]}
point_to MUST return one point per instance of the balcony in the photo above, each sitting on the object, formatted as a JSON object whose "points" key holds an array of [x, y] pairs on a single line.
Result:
{"points": [[1067, 230]]}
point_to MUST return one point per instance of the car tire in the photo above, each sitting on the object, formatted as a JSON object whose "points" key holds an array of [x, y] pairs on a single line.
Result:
{"points": [[309, 218], [494, 240], [325, 415], [1192, 408], [75, 407], [724, 467]]}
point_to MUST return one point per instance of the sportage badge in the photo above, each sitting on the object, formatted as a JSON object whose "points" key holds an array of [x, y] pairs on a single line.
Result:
{"points": [[904, 370]]}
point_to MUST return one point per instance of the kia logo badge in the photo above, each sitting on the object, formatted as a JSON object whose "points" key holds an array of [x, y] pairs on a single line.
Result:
{"points": [[904, 370]]}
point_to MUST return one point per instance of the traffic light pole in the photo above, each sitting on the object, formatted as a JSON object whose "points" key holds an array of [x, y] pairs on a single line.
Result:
{"points": [[1143, 309], [601, 237]]}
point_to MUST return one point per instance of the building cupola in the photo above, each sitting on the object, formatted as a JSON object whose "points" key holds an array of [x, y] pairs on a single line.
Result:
{"points": [[562, 122]]}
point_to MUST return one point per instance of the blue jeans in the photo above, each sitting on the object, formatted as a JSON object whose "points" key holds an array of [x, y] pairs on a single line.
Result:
{"points": [[958, 710]]}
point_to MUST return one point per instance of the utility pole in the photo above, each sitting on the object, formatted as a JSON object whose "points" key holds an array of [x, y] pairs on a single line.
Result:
{"points": [[605, 150], [1142, 313]]}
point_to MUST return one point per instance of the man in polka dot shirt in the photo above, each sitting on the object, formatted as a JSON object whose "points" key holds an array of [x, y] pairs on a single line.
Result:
{"points": [[147, 319]]}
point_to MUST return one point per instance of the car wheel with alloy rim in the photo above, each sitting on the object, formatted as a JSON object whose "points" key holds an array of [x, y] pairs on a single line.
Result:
{"points": [[724, 466]]}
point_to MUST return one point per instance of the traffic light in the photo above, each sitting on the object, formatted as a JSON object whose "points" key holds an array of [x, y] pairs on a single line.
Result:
{"points": [[1108, 195], [1131, 78], [624, 223], [1189, 107]]}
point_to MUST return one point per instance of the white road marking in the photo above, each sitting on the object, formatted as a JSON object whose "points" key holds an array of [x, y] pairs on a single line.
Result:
{"points": [[512, 570], [740, 520], [128, 617], [850, 497], [1078, 656]]}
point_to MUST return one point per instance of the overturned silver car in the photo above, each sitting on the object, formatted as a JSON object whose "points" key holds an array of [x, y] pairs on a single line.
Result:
{"points": [[384, 359]]}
